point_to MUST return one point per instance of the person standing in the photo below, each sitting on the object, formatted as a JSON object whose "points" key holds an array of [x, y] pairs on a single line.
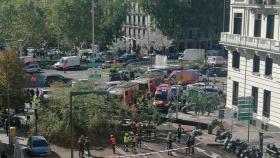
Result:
{"points": [[133, 142], [126, 141], [37, 92], [87, 145], [139, 139], [190, 143], [81, 142], [179, 132], [169, 142], [113, 143]]}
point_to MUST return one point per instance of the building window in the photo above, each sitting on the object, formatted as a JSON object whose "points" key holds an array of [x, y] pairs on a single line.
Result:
{"points": [[235, 60], [144, 20], [129, 19], [129, 31], [235, 93], [268, 66], [134, 20], [266, 103], [144, 32], [134, 32], [270, 26], [256, 63], [255, 92], [258, 23], [139, 21], [237, 23]]}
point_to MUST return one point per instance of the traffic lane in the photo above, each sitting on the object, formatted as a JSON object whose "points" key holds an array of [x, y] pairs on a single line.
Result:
{"points": [[76, 74]]}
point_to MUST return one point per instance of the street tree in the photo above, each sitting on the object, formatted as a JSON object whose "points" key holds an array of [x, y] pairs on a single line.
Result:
{"points": [[13, 80], [157, 41], [73, 21], [23, 20], [93, 115], [176, 16]]}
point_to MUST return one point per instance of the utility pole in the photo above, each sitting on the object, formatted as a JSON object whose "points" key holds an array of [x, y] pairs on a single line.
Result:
{"points": [[92, 20]]}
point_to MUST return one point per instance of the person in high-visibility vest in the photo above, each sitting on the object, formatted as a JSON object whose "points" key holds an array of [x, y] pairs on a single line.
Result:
{"points": [[126, 141]]}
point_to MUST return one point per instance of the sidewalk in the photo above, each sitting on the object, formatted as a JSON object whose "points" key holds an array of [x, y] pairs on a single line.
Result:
{"points": [[239, 129]]}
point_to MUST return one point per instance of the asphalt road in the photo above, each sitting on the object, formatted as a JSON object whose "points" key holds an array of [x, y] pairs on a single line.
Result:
{"points": [[73, 74]]}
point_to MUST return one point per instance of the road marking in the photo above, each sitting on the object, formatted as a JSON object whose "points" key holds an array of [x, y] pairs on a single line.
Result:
{"points": [[121, 151], [213, 155], [152, 150]]}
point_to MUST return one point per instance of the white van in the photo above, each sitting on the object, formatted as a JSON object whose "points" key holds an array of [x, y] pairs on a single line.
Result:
{"points": [[71, 62]]}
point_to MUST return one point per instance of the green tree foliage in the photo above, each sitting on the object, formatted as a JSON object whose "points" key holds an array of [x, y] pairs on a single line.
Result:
{"points": [[15, 78], [67, 22], [93, 116], [204, 102], [173, 17], [24, 19]]}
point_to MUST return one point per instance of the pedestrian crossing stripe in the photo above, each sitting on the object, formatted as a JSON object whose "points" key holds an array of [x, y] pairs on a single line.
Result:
{"points": [[151, 153]]}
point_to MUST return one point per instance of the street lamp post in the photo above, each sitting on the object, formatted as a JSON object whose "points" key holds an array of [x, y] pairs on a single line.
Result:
{"points": [[8, 90], [92, 16], [72, 94]]}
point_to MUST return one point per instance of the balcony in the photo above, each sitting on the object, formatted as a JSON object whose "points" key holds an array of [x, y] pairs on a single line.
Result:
{"points": [[264, 2], [262, 44]]}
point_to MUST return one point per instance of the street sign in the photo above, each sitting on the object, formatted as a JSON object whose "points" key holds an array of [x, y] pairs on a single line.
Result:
{"points": [[245, 108], [94, 76]]}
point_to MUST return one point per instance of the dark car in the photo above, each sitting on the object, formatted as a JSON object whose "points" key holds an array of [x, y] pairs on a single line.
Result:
{"points": [[128, 57], [217, 72], [56, 78], [38, 146], [118, 77], [203, 70]]}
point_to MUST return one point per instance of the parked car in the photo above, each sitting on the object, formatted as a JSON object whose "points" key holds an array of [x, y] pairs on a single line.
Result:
{"points": [[38, 146], [217, 72], [203, 70], [126, 124], [49, 79], [32, 68], [127, 57], [45, 93], [212, 90]]}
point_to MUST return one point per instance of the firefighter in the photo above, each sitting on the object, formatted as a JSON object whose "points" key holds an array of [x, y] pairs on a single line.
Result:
{"points": [[179, 132], [133, 142], [190, 143], [126, 141], [139, 139]]}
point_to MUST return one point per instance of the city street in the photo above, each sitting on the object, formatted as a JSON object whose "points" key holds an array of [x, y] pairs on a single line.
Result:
{"points": [[151, 147]]}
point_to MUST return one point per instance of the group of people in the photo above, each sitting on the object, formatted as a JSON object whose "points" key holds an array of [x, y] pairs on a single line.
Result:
{"points": [[84, 145], [133, 140], [190, 141]]}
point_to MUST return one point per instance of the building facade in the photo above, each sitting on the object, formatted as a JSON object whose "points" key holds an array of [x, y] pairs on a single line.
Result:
{"points": [[253, 46], [137, 23]]}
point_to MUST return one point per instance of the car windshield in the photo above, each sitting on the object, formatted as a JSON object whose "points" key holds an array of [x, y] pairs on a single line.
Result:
{"points": [[39, 143], [61, 61]]}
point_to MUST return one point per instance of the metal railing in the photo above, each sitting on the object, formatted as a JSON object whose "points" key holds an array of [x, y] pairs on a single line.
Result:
{"points": [[251, 42]]}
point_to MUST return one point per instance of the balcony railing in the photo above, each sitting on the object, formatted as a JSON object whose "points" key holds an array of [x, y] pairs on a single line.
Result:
{"points": [[250, 42]]}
